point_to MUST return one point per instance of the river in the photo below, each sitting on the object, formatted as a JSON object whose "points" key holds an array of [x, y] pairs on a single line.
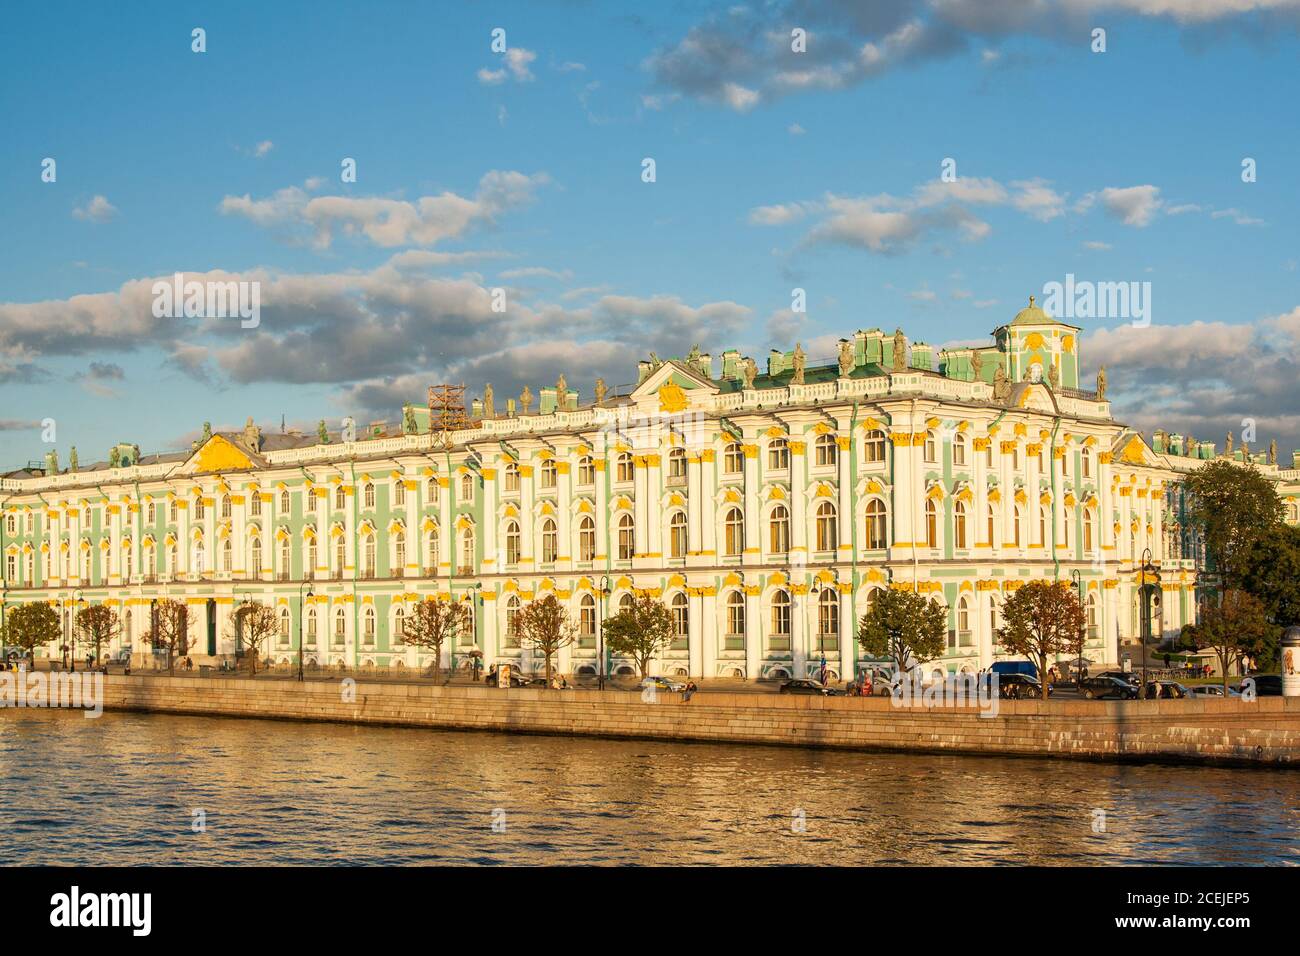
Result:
{"points": [[133, 789]]}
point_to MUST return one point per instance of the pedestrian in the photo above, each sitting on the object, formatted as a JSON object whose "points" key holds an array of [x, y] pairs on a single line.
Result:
{"points": [[689, 691]]}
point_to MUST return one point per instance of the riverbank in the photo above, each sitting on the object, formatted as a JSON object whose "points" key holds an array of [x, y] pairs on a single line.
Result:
{"points": [[1265, 732]]}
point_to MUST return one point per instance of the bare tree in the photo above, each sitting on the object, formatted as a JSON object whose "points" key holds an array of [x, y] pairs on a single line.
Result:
{"points": [[546, 626], [252, 625], [432, 622], [170, 629], [98, 625]]}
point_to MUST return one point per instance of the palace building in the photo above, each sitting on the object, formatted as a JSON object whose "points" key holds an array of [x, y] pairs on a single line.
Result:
{"points": [[764, 508]]}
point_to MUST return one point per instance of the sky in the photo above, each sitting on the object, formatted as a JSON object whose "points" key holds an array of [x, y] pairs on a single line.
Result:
{"points": [[923, 164]]}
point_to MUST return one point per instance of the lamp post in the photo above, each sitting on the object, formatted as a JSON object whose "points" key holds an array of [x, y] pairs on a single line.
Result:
{"points": [[815, 593], [241, 623], [307, 585], [1076, 578], [77, 602], [600, 633], [1145, 591]]}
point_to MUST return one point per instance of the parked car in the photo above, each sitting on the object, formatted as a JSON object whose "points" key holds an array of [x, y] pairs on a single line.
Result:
{"points": [[1266, 685], [1096, 688], [1020, 687], [662, 683], [1214, 690], [1128, 677], [516, 679], [806, 685], [1169, 690]]}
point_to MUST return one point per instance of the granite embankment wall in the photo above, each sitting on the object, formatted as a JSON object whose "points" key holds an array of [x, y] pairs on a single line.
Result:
{"points": [[1262, 732]]}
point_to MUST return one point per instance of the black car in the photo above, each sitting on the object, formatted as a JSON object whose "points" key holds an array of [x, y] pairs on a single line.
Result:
{"points": [[1169, 690], [1096, 688], [1128, 677], [806, 685], [1266, 685], [1020, 687], [516, 679]]}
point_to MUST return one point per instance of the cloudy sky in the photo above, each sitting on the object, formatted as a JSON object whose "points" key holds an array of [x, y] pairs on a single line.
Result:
{"points": [[819, 168]]}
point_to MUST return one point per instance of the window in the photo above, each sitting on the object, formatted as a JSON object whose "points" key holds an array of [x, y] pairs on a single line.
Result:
{"points": [[198, 557], [431, 551], [1065, 528], [963, 622], [587, 621], [827, 527], [369, 495], [255, 563], [780, 631], [310, 639], [399, 554], [284, 503], [586, 471], [677, 535], [512, 542], [1087, 530], [1042, 525], [1091, 609], [624, 467], [778, 454], [340, 499], [512, 621], [994, 617], [1086, 462], [626, 538], [171, 511], [467, 551], [959, 524], [931, 448], [340, 556], [735, 636], [369, 568], [677, 465], [255, 498], [549, 476], [313, 558], [284, 627], [467, 488], [512, 477], [286, 563], [340, 627], [873, 449], [828, 620], [877, 534], [989, 512], [733, 458], [681, 622], [827, 451], [368, 627], [586, 539], [959, 449], [778, 527], [198, 508], [1065, 464], [399, 493], [399, 626], [1017, 537], [550, 542], [931, 523], [153, 512], [431, 491], [733, 533]]}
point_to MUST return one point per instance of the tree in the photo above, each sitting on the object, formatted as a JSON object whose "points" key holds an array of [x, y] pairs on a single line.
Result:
{"points": [[1233, 628], [253, 624], [1271, 572], [1233, 505], [432, 622], [546, 626], [1042, 619], [170, 628], [98, 625], [30, 625], [640, 631], [905, 627]]}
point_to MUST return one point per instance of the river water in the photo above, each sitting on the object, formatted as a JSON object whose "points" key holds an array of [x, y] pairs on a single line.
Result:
{"points": [[143, 788]]}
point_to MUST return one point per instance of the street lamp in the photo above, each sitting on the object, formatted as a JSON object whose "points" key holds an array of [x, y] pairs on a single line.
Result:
{"points": [[307, 585], [77, 601], [600, 633], [1076, 577], [1146, 590], [815, 592]]}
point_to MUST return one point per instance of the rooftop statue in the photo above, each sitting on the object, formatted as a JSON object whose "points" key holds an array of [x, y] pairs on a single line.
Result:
{"points": [[900, 350], [976, 364], [489, 402], [800, 359], [525, 400], [1101, 384], [750, 369], [600, 391], [846, 359]]}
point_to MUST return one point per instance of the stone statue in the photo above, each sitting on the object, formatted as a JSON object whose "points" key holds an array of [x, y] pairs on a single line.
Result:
{"points": [[510, 408], [489, 403], [800, 359], [846, 359], [1101, 384], [601, 390], [252, 435], [72, 458], [976, 365], [409, 424], [1189, 447], [51, 462], [693, 359], [1054, 376], [900, 350], [561, 393], [322, 433], [1245, 451], [1001, 385], [1272, 452], [654, 361], [207, 432], [750, 370], [114, 457], [525, 399], [1227, 448]]}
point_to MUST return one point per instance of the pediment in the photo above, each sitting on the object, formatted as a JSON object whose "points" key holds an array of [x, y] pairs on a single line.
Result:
{"points": [[672, 388], [219, 454]]}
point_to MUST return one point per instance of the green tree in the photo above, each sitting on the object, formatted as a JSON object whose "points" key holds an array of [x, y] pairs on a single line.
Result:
{"points": [[98, 625], [905, 627], [1233, 627], [1232, 505], [1271, 572], [252, 625], [30, 625], [431, 623], [545, 626], [1043, 619], [640, 631]]}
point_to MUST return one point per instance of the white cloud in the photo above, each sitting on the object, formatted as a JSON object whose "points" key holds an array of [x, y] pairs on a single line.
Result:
{"points": [[1131, 205], [794, 129], [517, 65], [262, 148], [98, 209]]}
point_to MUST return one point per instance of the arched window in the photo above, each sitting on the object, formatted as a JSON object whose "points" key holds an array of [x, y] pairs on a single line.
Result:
{"points": [[340, 499], [677, 465], [733, 533], [827, 451], [467, 488], [959, 449], [286, 564], [877, 527], [828, 620], [340, 627], [625, 603], [995, 618], [340, 557], [681, 622], [254, 503], [399, 554], [778, 454], [153, 512], [733, 458], [171, 510], [931, 523], [586, 539], [1043, 520], [677, 535], [431, 488], [550, 542], [959, 524], [284, 502], [1091, 610], [549, 475], [963, 621], [873, 449], [431, 552], [399, 493], [735, 636], [369, 567], [931, 448], [1085, 460], [198, 557], [1087, 530], [512, 621], [467, 551], [625, 467], [626, 538], [992, 542], [198, 508], [780, 631], [399, 625], [255, 562], [512, 477], [587, 621], [313, 557], [368, 627], [778, 530], [1018, 528], [310, 639], [827, 527], [586, 471]]}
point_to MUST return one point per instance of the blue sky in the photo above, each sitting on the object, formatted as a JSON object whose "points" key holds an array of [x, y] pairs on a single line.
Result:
{"points": [[774, 170]]}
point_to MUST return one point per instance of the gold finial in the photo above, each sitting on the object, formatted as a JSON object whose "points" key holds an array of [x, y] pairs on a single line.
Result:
{"points": [[1031, 301]]}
